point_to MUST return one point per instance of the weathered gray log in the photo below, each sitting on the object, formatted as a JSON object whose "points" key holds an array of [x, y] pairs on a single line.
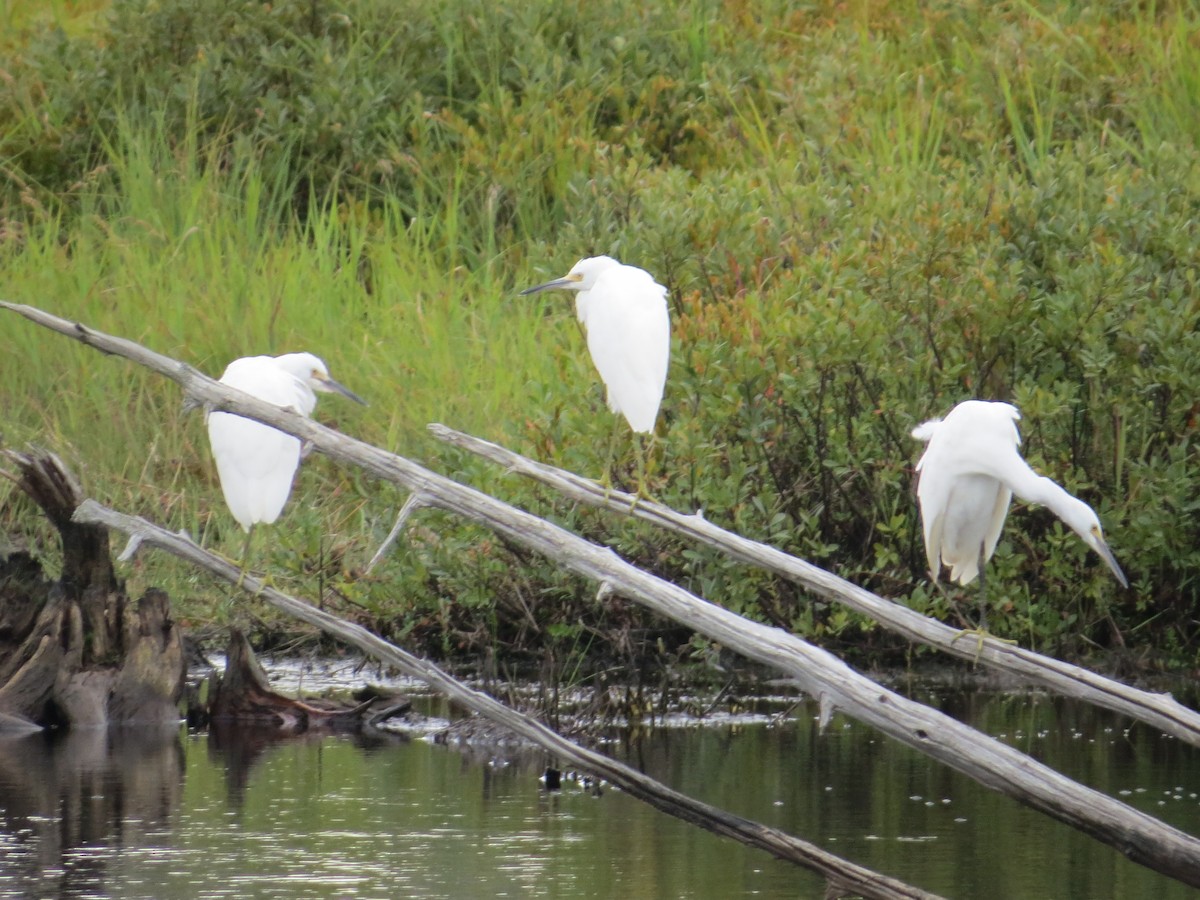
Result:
{"points": [[1162, 711], [77, 653], [1140, 837], [846, 875]]}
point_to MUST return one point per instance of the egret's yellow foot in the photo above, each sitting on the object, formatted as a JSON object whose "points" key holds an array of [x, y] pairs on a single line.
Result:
{"points": [[641, 493], [981, 634], [264, 582]]}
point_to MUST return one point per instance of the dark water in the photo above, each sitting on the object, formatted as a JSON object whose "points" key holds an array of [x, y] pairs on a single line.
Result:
{"points": [[179, 815]]}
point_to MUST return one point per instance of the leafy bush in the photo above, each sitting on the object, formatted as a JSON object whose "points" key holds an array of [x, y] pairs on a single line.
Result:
{"points": [[429, 105], [862, 219]]}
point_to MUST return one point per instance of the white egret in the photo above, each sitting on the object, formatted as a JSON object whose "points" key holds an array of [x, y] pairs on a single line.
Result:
{"points": [[624, 315], [255, 462], [967, 476]]}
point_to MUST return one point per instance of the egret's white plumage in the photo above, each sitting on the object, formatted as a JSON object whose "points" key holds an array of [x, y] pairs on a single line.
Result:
{"points": [[624, 315], [256, 463], [967, 476]]}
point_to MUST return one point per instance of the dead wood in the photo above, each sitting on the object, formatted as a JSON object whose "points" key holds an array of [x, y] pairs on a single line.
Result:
{"points": [[87, 565], [1140, 837], [243, 694], [76, 652], [861, 880], [1160, 711]]}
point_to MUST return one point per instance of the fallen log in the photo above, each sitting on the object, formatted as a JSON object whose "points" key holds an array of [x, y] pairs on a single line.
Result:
{"points": [[77, 652], [1139, 837], [1161, 711], [844, 875]]}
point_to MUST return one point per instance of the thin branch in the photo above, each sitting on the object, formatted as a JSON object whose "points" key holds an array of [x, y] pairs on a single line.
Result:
{"points": [[411, 505]]}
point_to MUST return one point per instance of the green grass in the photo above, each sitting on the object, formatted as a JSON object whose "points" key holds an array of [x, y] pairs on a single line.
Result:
{"points": [[865, 213]]}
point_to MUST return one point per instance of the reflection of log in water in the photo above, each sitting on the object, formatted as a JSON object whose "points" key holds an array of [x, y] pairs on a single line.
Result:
{"points": [[85, 788], [240, 746]]}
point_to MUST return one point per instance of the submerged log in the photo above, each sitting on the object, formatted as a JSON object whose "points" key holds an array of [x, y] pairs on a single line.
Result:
{"points": [[77, 652], [243, 694]]}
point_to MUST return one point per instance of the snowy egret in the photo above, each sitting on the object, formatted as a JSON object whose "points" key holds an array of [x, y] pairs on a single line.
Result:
{"points": [[966, 478], [624, 315], [256, 463]]}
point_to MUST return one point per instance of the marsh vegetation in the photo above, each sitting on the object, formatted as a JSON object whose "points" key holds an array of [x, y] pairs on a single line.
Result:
{"points": [[864, 214]]}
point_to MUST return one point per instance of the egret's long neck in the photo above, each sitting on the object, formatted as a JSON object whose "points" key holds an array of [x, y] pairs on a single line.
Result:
{"points": [[1034, 488]]}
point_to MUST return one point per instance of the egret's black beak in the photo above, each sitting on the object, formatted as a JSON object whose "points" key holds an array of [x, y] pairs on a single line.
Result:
{"points": [[566, 281], [336, 388]]}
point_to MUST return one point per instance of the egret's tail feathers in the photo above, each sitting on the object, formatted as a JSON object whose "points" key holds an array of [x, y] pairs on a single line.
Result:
{"points": [[926, 430], [963, 572]]}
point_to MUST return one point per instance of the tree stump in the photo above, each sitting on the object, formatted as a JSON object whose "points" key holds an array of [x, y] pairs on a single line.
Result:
{"points": [[243, 694], [77, 652]]}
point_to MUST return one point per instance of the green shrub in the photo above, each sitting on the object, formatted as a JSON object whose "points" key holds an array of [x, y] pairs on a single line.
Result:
{"points": [[863, 219]]}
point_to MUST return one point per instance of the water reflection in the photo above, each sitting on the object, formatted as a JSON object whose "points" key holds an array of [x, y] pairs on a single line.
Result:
{"points": [[63, 797], [101, 815], [238, 747]]}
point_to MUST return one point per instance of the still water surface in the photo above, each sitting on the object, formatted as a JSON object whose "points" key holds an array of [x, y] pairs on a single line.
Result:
{"points": [[187, 815]]}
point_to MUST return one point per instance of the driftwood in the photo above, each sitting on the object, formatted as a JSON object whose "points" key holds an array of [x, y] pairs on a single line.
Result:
{"points": [[1140, 837], [846, 875], [77, 652], [243, 694], [1160, 711]]}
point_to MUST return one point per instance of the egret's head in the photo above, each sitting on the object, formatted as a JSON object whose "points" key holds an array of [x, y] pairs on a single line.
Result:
{"points": [[1082, 519], [582, 276], [311, 371]]}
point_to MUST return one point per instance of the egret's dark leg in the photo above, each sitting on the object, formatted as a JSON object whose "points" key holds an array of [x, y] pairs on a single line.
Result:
{"points": [[245, 556], [952, 601], [607, 478], [640, 450], [981, 632], [651, 460], [982, 591], [645, 451]]}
